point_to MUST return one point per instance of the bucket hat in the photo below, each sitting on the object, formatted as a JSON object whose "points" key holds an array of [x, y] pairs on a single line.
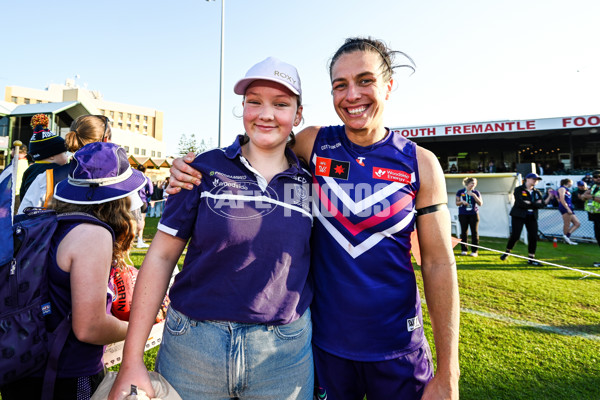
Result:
{"points": [[99, 173]]}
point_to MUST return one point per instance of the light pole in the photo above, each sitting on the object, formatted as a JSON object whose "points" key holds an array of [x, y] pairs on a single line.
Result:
{"points": [[221, 71]]}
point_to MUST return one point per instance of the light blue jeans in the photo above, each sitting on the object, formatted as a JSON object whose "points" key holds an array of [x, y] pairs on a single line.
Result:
{"points": [[220, 360]]}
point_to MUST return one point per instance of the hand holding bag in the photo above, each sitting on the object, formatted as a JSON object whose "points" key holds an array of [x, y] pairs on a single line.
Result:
{"points": [[162, 388]]}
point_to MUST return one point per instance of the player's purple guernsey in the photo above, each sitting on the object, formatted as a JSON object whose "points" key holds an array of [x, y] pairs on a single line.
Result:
{"points": [[249, 254], [367, 305]]}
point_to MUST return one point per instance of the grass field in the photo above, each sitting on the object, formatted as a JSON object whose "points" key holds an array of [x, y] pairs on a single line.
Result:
{"points": [[526, 332]]}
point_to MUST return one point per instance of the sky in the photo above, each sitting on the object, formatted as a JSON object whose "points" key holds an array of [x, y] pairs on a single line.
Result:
{"points": [[476, 60]]}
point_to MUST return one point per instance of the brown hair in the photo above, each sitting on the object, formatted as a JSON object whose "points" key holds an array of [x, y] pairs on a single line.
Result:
{"points": [[115, 214], [564, 182], [375, 46], [468, 180], [87, 129]]}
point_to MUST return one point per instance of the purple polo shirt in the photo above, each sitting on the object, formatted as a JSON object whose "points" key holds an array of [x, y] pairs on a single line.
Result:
{"points": [[248, 253]]}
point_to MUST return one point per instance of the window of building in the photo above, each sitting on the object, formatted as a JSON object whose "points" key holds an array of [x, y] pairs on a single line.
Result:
{"points": [[112, 114], [143, 152], [120, 115], [39, 102], [145, 119], [14, 99], [137, 117], [121, 125], [129, 116], [126, 148], [159, 154], [153, 153], [136, 151], [27, 101]]}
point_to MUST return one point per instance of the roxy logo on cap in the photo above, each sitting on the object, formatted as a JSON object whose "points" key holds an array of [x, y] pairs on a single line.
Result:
{"points": [[284, 76]]}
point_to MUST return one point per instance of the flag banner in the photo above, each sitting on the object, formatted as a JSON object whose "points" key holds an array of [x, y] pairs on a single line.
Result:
{"points": [[7, 185]]}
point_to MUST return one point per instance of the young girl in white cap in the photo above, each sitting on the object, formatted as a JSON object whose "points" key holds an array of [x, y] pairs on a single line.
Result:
{"points": [[82, 255], [239, 324]]}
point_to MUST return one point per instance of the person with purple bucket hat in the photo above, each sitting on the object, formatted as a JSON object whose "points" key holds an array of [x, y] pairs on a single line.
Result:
{"points": [[82, 254]]}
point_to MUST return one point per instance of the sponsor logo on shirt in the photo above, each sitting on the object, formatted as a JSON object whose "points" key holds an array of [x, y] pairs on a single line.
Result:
{"points": [[237, 185], [212, 173], [413, 323], [329, 146], [332, 168], [361, 161], [391, 175]]}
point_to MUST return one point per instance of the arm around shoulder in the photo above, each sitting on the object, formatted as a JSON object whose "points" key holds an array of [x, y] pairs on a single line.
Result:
{"points": [[305, 140]]}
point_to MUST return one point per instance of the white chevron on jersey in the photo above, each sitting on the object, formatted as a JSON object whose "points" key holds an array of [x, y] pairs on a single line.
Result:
{"points": [[368, 201], [265, 199], [366, 244]]}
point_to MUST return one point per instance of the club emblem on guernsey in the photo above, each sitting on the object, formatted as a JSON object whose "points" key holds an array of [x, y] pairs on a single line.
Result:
{"points": [[413, 323], [332, 168], [361, 161]]}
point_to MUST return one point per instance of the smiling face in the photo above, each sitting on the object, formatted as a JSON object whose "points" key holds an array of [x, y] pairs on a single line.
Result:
{"points": [[359, 92], [270, 112]]}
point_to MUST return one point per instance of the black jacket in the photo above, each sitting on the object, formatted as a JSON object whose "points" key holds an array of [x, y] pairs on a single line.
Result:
{"points": [[521, 194]]}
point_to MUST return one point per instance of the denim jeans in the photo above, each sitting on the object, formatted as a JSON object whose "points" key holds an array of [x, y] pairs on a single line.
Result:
{"points": [[222, 360]]}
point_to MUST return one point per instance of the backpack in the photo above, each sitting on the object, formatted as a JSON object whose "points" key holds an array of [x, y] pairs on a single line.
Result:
{"points": [[26, 345]]}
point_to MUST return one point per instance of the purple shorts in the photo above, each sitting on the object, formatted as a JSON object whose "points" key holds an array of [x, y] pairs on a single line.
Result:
{"points": [[404, 377], [563, 210]]}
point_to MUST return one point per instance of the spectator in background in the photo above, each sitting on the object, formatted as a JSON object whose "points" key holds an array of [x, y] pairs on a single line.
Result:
{"points": [[140, 214], [578, 200], [525, 212], [22, 165], [468, 201], [551, 196], [491, 167], [588, 179], [84, 130], [547, 169], [565, 206], [47, 149], [156, 203], [592, 196], [540, 169]]}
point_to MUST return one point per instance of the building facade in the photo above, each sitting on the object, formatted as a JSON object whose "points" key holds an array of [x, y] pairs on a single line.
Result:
{"points": [[138, 129], [560, 146]]}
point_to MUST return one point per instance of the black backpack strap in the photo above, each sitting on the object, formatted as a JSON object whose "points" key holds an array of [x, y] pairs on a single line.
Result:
{"points": [[60, 337], [85, 218]]}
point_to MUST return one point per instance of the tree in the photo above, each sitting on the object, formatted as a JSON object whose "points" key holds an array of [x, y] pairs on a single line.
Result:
{"points": [[187, 144]]}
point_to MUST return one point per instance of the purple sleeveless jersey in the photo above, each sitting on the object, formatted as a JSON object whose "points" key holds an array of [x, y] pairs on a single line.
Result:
{"points": [[366, 305]]}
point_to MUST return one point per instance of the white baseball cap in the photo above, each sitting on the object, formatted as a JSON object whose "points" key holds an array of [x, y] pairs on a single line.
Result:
{"points": [[271, 69]]}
